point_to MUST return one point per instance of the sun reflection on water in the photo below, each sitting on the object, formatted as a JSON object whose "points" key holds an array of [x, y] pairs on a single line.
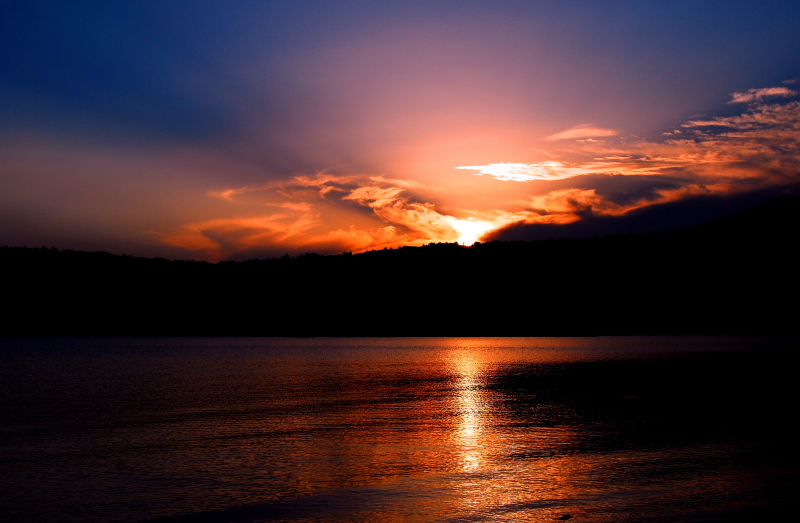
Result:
{"points": [[495, 479], [471, 408]]}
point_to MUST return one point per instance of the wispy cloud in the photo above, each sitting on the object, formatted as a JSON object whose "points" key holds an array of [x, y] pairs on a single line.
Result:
{"points": [[581, 132], [716, 156], [757, 95], [229, 194], [525, 172], [294, 206], [224, 237]]}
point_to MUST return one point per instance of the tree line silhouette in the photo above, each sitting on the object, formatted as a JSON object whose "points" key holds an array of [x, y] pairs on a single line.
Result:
{"points": [[735, 275]]}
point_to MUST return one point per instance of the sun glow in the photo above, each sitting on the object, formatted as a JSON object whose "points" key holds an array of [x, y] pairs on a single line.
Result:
{"points": [[469, 230]]}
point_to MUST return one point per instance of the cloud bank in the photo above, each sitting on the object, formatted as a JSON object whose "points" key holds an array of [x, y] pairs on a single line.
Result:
{"points": [[329, 212]]}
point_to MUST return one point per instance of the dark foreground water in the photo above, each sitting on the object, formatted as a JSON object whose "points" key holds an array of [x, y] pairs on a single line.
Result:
{"points": [[403, 429]]}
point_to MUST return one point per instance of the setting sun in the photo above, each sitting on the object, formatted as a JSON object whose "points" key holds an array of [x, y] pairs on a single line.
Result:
{"points": [[470, 230]]}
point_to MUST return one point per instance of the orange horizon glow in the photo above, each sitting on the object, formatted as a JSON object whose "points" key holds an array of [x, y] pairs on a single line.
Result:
{"points": [[346, 212], [560, 182]]}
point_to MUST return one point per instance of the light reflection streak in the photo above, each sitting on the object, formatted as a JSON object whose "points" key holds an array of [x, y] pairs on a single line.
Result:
{"points": [[494, 481], [471, 407]]}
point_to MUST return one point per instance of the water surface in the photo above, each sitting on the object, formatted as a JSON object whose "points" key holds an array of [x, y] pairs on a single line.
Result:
{"points": [[398, 429]]}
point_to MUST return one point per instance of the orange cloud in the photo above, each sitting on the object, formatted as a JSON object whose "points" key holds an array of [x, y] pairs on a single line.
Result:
{"points": [[299, 206], [221, 238], [580, 131], [756, 95], [395, 218]]}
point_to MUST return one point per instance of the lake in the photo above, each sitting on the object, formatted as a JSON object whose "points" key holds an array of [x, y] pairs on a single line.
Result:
{"points": [[604, 429]]}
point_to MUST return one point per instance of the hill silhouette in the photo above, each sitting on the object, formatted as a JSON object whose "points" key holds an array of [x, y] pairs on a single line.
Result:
{"points": [[734, 275]]}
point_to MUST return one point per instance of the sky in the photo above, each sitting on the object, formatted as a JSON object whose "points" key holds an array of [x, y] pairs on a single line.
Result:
{"points": [[216, 130]]}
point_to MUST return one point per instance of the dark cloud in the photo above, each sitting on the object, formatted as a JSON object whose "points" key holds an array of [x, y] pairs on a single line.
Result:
{"points": [[655, 218]]}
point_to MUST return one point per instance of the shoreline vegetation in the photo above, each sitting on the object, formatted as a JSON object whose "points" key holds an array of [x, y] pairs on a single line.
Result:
{"points": [[733, 275]]}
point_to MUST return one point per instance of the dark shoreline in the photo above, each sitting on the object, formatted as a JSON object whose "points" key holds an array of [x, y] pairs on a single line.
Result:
{"points": [[729, 276]]}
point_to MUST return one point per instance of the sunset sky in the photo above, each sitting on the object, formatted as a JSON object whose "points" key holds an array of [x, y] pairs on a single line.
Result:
{"points": [[248, 129]]}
